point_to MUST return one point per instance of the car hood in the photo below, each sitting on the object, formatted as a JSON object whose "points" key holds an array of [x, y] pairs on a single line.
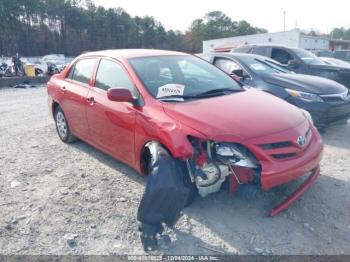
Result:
{"points": [[329, 67], [305, 83], [237, 116]]}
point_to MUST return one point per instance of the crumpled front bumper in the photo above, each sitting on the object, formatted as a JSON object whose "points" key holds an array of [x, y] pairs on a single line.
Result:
{"points": [[275, 172], [297, 193]]}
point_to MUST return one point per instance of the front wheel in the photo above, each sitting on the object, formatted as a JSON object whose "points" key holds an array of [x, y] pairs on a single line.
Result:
{"points": [[62, 127]]}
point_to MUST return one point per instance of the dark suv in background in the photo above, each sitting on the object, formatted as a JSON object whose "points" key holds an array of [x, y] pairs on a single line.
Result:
{"points": [[327, 101], [300, 61]]}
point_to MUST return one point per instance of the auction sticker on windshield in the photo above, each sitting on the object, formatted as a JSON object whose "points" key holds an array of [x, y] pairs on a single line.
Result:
{"points": [[170, 90]]}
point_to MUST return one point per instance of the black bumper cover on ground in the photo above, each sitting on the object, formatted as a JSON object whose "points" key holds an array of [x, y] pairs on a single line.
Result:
{"points": [[165, 196]]}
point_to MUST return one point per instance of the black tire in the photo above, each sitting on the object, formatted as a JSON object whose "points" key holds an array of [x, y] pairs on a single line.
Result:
{"points": [[62, 127]]}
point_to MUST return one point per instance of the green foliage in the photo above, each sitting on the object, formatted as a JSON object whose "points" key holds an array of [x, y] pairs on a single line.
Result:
{"points": [[217, 25], [341, 33], [38, 27]]}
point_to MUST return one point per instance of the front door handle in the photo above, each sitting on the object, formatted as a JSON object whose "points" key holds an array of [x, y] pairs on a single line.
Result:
{"points": [[63, 89], [91, 101]]}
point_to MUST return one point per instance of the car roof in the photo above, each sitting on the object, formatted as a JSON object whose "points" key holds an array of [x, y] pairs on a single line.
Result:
{"points": [[238, 55], [131, 53], [265, 45]]}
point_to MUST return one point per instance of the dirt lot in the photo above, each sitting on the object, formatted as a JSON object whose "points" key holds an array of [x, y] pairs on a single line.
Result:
{"points": [[73, 199]]}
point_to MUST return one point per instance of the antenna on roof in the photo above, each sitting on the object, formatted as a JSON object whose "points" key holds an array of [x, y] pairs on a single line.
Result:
{"points": [[284, 20]]}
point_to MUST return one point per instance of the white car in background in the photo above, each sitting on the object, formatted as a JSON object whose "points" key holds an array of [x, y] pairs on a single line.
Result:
{"points": [[59, 60]]}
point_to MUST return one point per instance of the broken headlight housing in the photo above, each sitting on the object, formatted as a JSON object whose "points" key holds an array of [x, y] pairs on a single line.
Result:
{"points": [[234, 154]]}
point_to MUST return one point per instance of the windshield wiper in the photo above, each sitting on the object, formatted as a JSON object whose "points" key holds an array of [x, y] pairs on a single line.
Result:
{"points": [[213, 92], [217, 91], [175, 97]]}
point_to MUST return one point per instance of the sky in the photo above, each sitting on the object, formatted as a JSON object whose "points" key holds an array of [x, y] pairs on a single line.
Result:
{"points": [[319, 15]]}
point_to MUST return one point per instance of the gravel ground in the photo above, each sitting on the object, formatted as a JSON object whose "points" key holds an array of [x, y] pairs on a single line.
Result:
{"points": [[73, 199]]}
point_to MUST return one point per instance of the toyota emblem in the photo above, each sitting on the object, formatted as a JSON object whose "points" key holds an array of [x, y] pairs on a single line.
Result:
{"points": [[301, 141]]}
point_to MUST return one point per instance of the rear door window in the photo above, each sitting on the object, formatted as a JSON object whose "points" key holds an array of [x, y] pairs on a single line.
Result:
{"points": [[82, 71], [281, 55]]}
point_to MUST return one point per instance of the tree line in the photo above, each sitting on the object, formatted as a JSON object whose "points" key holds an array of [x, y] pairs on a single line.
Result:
{"points": [[39, 27], [341, 33]]}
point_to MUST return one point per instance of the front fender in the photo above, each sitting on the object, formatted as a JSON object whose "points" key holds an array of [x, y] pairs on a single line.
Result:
{"points": [[166, 131]]}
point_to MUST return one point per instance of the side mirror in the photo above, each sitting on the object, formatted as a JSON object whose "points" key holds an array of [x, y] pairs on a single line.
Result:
{"points": [[120, 95], [238, 72], [294, 63]]}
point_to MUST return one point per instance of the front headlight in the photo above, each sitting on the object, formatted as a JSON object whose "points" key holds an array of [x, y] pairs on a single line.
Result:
{"points": [[233, 154], [308, 97], [308, 116]]}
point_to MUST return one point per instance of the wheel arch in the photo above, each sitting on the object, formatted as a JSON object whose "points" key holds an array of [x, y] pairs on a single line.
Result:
{"points": [[54, 106], [146, 152]]}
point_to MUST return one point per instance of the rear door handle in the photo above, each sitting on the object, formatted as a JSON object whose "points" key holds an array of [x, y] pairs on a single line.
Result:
{"points": [[91, 101]]}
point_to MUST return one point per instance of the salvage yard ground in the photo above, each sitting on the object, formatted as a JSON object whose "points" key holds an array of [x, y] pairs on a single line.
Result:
{"points": [[73, 199]]}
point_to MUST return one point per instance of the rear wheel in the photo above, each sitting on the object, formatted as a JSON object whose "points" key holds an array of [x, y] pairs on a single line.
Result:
{"points": [[62, 127]]}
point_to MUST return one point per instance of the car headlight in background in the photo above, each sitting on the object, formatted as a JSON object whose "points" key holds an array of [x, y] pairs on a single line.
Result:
{"points": [[308, 97], [308, 116]]}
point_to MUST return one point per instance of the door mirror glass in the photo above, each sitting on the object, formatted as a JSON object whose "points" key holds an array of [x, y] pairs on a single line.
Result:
{"points": [[120, 95], [238, 72]]}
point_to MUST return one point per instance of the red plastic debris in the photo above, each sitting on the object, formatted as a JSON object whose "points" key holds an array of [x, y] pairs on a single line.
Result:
{"points": [[243, 174]]}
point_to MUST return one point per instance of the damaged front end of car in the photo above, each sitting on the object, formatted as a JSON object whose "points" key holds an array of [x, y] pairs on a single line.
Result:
{"points": [[172, 181], [214, 162]]}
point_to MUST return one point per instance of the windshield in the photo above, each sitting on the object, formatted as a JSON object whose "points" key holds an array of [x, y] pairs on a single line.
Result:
{"points": [[262, 65], [181, 76], [308, 57]]}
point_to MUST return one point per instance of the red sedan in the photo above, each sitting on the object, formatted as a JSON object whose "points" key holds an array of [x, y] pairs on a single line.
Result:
{"points": [[136, 105]]}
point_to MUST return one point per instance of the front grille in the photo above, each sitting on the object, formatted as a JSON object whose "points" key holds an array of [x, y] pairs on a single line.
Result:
{"points": [[333, 99], [276, 145], [337, 98], [339, 111], [283, 156], [287, 149]]}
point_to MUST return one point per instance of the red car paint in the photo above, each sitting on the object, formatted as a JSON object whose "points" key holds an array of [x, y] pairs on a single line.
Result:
{"points": [[251, 118], [297, 193]]}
